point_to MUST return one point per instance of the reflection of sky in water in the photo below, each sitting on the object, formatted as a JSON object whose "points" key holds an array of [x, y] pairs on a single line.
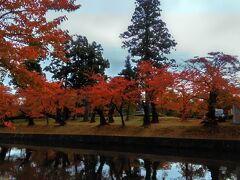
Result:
{"points": [[173, 173], [15, 153]]}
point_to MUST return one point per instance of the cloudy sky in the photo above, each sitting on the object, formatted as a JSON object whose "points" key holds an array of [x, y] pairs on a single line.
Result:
{"points": [[198, 26]]}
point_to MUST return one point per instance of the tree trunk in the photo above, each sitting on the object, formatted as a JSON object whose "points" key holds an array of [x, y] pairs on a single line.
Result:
{"points": [[59, 118], [93, 117], [86, 113], [30, 121], [122, 119], [47, 119], [120, 111], [102, 118], [127, 112], [111, 113], [146, 119], [154, 113], [211, 119], [3, 153], [66, 113], [183, 115]]}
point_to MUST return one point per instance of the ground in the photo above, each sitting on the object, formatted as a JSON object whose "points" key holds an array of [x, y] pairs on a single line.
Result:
{"points": [[168, 127]]}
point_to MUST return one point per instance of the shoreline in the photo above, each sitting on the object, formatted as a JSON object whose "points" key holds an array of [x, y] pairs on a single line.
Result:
{"points": [[169, 155], [216, 145]]}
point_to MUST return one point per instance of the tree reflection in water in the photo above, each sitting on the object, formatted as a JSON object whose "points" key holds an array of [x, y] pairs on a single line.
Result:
{"points": [[24, 163]]}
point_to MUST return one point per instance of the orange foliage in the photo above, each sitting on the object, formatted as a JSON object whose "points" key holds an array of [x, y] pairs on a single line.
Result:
{"points": [[99, 94], [123, 91], [9, 103], [154, 81], [186, 97], [26, 33], [213, 78], [44, 97]]}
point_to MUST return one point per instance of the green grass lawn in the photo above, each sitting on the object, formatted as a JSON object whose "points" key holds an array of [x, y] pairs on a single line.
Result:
{"points": [[168, 127]]}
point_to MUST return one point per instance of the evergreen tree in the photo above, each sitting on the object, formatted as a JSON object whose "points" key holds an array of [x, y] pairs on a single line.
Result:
{"points": [[147, 37], [84, 59], [3, 73], [128, 72], [34, 65]]}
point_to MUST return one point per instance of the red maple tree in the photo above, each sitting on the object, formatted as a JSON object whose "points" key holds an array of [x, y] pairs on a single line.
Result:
{"points": [[122, 93], [8, 102], [27, 34], [152, 82], [211, 77]]}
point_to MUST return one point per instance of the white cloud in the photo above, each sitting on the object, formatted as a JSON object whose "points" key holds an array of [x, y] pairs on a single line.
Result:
{"points": [[199, 34], [198, 26], [196, 6], [103, 28]]}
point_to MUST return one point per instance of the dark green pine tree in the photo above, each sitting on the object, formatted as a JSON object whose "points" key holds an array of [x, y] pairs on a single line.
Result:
{"points": [[147, 38], [85, 59], [128, 71]]}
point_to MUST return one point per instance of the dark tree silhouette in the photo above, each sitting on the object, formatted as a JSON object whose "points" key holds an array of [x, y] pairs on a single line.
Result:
{"points": [[85, 59], [128, 71], [147, 37]]}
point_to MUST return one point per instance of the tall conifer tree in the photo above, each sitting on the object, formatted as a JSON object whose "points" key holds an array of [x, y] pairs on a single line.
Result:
{"points": [[148, 39]]}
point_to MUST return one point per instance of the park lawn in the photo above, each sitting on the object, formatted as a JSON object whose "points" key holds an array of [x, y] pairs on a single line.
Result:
{"points": [[168, 127]]}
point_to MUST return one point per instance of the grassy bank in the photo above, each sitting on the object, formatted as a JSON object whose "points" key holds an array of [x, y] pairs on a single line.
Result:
{"points": [[168, 127]]}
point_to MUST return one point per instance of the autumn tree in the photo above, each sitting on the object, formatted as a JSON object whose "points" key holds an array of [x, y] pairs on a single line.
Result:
{"points": [[148, 38], [26, 33], [123, 92], [99, 97], [152, 82], [212, 75], [29, 65], [46, 99], [185, 94], [128, 73], [85, 58], [168, 101], [9, 103]]}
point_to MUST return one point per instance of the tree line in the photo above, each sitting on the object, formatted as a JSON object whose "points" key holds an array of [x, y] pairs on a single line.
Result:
{"points": [[80, 85]]}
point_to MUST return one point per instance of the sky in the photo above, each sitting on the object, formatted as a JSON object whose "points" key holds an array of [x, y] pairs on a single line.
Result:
{"points": [[198, 26]]}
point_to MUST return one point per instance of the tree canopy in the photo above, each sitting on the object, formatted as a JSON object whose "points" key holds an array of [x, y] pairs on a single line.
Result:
{"points": [[26, 33], [148, 38], [84, 60]]}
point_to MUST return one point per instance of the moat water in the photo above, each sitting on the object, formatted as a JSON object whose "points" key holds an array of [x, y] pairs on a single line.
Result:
{"points": [[40, 163]]}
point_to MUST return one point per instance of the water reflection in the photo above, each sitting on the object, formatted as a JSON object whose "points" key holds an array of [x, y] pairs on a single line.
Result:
{"points": [[38, 163]]}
